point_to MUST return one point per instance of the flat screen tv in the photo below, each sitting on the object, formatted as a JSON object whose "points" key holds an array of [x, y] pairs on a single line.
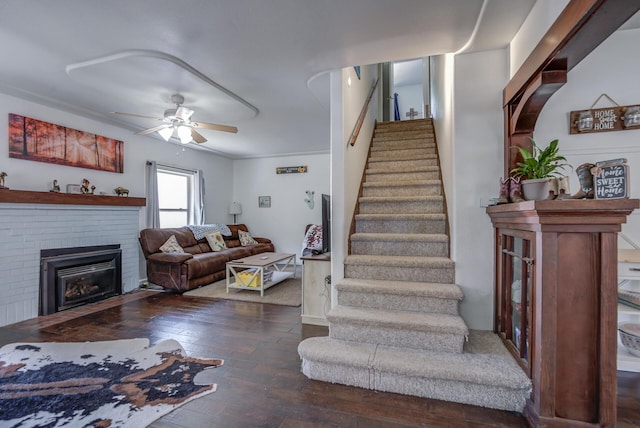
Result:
{"points": [[326, 223]]}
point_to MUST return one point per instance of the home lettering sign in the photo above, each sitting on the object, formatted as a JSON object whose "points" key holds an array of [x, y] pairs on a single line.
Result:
{"points": [[611, 179]]}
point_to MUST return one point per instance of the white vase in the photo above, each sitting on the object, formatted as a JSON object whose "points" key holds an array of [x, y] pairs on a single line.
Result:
{"points": [[536, 189]]}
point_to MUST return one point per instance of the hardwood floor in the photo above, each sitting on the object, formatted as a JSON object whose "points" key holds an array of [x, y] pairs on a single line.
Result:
{"points": [[260, 383]]}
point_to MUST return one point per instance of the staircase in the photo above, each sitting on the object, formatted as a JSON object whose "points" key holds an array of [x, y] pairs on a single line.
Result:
{"points": [[396, 327]]}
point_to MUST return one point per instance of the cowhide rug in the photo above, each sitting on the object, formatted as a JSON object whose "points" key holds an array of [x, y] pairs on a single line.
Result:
{"points": [[120, 383]]}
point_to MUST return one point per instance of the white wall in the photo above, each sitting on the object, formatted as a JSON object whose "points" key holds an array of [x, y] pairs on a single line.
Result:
{"points": [[284, 223], [477, 165], [348, 161], [609, 69], [543, 14], [410, 96], [37, 176], [442, 111]]}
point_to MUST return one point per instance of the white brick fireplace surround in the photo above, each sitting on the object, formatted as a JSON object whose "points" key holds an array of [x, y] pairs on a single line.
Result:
{"points": [[27, 228]]}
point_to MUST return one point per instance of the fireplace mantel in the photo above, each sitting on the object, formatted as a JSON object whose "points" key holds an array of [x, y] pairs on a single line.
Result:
{"points": [[30, 197]]}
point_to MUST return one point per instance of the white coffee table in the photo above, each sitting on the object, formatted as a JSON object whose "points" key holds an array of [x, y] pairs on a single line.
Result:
{"points": [[282, 266]]}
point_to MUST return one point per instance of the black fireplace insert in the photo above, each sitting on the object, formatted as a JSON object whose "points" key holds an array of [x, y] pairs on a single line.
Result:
{"points": [[71, 277]]}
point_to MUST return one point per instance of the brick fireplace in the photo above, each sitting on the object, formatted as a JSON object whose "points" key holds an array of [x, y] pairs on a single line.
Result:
{"points": [[36, 221]]}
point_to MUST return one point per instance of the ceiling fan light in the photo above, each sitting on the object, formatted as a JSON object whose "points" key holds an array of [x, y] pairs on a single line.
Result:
{"points": [[184, 133], [166, 133]]}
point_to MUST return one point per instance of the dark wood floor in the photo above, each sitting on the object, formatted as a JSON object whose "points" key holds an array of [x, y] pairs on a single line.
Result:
{"points": [[260, 383]]}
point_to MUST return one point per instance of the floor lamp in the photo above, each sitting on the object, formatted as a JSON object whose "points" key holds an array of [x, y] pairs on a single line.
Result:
{"points": [[235, 208]]}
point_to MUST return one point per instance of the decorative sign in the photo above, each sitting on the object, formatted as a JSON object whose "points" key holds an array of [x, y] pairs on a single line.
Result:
{"points": [[610, 179], [290, 169], [601, 120]]}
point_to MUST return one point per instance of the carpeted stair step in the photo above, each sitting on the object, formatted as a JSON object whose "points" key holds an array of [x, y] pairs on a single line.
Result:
{"points": [[403, 153], [398, 174], [396, 244], [399, 295], [379, 135], [401, 204], [400, 160], [400, 223], [405, 124], [418, 330], [400, 268], [484, 375], [417, 143], [402, 188]]}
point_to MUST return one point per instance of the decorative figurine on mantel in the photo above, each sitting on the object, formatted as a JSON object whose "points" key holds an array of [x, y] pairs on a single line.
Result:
{"points": [[2, 177], [56, 187], [85, 187], [121, 191]]}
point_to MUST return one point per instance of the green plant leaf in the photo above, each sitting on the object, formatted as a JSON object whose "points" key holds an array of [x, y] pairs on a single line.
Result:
{"points": [[540, 163]]}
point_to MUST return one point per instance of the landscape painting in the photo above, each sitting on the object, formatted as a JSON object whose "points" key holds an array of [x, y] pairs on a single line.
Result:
{"points": [[35, 140]]}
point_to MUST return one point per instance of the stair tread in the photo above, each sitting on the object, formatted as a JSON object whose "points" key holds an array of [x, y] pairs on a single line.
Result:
{"points": [[386, 144], [401, 183], [404, 288], [396, 157], [400, 198], [406, 237], [403, 169], [401, 217], [399, 261], [485, 360], [406, 320]]}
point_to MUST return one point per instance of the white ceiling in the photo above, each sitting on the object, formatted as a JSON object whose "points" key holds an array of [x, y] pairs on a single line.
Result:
{"points": [[93, 57]]}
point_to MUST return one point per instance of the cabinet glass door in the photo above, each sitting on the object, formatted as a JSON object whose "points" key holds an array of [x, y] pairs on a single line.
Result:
{"points": [[515, 303]]}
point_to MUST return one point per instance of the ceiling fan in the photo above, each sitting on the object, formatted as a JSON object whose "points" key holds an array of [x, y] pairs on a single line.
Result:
{"points": [[178, 121]]}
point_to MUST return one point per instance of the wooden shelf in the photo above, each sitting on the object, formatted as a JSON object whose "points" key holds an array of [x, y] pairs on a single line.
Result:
{"points": [[29, 197]]}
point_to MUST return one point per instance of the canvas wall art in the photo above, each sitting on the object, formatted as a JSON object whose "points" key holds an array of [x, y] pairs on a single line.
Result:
{"points": [[39, 141]]}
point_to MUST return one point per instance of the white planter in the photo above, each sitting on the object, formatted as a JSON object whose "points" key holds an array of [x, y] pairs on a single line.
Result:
{"points": [[536, 190]]}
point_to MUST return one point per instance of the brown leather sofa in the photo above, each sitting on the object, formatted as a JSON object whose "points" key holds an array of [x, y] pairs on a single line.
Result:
{"points": [[198, 265]]}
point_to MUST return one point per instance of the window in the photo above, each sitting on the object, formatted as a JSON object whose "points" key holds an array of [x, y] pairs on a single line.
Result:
{"points": [[175, 197]]}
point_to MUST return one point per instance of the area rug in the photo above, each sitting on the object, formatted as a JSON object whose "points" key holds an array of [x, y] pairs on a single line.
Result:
{"points": [[120, 383], [286, 293]]}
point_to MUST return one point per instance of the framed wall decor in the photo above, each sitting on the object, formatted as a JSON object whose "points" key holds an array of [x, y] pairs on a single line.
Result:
{"points": [[264, 201], [39, 141]]}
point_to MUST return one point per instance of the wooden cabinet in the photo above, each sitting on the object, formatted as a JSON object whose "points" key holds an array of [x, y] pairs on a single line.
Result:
{"points": [[316, 288], [561, 323]]}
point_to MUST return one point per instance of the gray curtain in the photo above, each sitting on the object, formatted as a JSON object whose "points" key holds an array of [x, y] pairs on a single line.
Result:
{"points": [[197, 209], [153, 209]]}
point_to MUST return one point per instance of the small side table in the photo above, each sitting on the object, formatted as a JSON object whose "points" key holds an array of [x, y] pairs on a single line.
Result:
{"points": [[316, 288]]}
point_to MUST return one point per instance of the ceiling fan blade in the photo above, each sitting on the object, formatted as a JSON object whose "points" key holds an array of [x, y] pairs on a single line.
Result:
{"points": [[216, 127], [135, 115], [154, 129], [197, 137], [183, 113]]}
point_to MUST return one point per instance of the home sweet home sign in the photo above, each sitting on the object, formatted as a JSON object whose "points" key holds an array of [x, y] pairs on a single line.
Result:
{"points": [[611, 179], [604, 119]]}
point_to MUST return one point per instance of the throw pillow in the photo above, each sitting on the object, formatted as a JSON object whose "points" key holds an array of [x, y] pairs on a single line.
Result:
{"points": [[245, 238], [171, 246], [216, 241]]}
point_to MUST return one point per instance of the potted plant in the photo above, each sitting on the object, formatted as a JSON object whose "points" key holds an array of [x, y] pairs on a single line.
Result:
{"points": [[537, 168]]}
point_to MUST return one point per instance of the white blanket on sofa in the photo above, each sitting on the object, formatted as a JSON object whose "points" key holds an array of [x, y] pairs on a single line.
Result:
{"points": [[200, 230]]}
